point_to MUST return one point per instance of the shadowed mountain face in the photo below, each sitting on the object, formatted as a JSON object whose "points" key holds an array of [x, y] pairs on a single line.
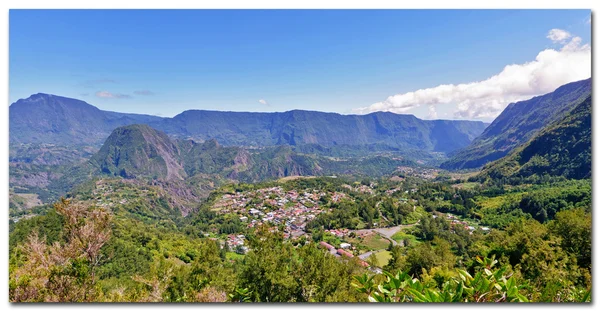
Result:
{"points": [[518, 123], [44, 118]]}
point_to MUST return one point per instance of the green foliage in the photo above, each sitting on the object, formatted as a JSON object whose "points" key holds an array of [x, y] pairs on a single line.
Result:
{"points": [[489, 284], [154, 255], [273, 271], [574, 227]]}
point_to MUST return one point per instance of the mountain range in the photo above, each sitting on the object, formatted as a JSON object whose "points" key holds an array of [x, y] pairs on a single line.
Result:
{"points": [[58, 143], [44, 118], [138, 150], [49, 119], [186, 169]]}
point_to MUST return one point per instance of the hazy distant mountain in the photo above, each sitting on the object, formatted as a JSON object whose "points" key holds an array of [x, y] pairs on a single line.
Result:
{"points": [[518, 123], [44, 118], [300, 127], [563, 148]]}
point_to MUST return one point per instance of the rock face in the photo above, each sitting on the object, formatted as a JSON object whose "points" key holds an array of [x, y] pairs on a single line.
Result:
{"points": [[44, 118], [518, 123]]}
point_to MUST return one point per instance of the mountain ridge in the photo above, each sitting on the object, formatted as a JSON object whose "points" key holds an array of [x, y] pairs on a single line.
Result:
{"points": [[66, 121], [140, 151]]}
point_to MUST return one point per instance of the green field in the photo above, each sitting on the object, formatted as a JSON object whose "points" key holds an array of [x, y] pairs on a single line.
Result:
{"points": [[467, 185], [496, 202], [375, 242], [383, 257], [372, 242], [401, 236]]}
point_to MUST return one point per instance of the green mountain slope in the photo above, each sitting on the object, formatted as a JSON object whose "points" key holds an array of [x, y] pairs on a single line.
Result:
{"points": [[139, 151], [517, 124], [563, 148], [187, 171]]}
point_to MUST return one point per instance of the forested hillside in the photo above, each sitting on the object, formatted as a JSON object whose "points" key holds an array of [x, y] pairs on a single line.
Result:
{"points": [[563, 148]]}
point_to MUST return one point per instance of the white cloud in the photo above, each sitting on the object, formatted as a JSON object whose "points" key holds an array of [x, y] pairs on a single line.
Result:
{"points": [[107, 94], [432, 113], [263, 102], [487, 98], [558, 35]]}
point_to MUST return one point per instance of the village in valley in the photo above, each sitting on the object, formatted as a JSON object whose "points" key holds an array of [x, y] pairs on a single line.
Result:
{"points": [[291, 210]]}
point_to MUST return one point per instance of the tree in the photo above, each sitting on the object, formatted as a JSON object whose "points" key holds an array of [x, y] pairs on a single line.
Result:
{"points": [[267, 268], [575, 229], [372, 260], [63, 272]]}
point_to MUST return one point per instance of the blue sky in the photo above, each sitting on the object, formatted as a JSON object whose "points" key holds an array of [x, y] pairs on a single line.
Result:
{"points": [[163, 62]]}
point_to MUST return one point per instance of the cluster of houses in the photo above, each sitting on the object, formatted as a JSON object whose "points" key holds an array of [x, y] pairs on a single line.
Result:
{"points": [[102, 193], [361, 188], [340, 233], [425, 173], [274, 205], [236, 243], [455, 222], [392, 191], [341, 252], [104, 190]]}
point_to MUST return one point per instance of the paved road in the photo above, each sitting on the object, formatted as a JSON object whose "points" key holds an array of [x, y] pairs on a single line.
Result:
{"points": [[366, 255]]}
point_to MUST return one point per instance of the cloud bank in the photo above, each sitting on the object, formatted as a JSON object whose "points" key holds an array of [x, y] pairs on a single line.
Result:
{"points": [[487, 98], [106, 94]]}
